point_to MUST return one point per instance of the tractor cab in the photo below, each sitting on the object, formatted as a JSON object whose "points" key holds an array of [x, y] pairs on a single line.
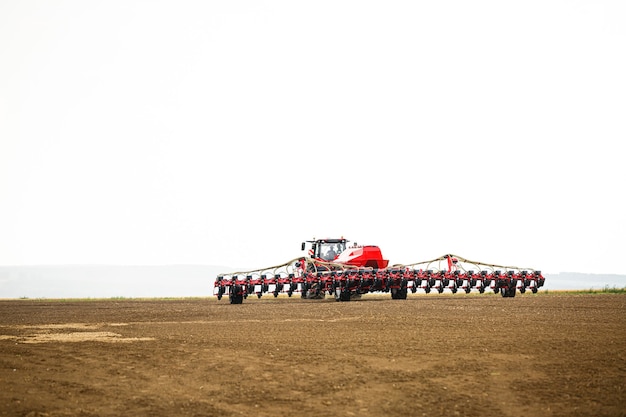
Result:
{"points": [[326, 249]]}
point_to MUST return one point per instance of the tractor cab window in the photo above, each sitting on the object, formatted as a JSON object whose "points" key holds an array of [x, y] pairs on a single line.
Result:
{"points": [[330, 250]]}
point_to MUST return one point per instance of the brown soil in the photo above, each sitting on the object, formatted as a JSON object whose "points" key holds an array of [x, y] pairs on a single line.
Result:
{"points": [[435, 355]]}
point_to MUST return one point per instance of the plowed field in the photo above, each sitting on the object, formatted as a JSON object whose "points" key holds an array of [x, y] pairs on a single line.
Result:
{"points": [[435, 355]]}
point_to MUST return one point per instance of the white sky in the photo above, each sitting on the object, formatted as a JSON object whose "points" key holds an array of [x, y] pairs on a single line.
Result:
{"points": [[226, 132]]}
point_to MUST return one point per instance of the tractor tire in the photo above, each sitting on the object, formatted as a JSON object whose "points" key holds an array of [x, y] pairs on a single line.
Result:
{"points": [[236, 298], [342, 295], [399, 293], [507, 292]]}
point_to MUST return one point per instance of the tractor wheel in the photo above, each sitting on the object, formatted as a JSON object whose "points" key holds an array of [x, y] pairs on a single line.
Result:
{"points": [[342, 295], [399, 293], [534, 290], [507, 292], [236, 299], [236, 294]]}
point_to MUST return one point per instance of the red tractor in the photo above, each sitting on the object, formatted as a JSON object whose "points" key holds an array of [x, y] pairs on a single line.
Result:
{"points": [[330, 263], [338, 251], [348, 271]]}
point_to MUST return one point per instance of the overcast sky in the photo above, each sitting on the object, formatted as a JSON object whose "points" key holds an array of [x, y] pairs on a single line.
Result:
{"points": [[227, 132]]}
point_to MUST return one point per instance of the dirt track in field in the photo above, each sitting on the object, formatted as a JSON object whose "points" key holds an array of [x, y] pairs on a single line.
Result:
{"points": [[435, 355]]}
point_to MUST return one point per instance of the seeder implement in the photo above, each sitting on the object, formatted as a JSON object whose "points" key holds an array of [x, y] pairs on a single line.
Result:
{"points": [[359, 270]]}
